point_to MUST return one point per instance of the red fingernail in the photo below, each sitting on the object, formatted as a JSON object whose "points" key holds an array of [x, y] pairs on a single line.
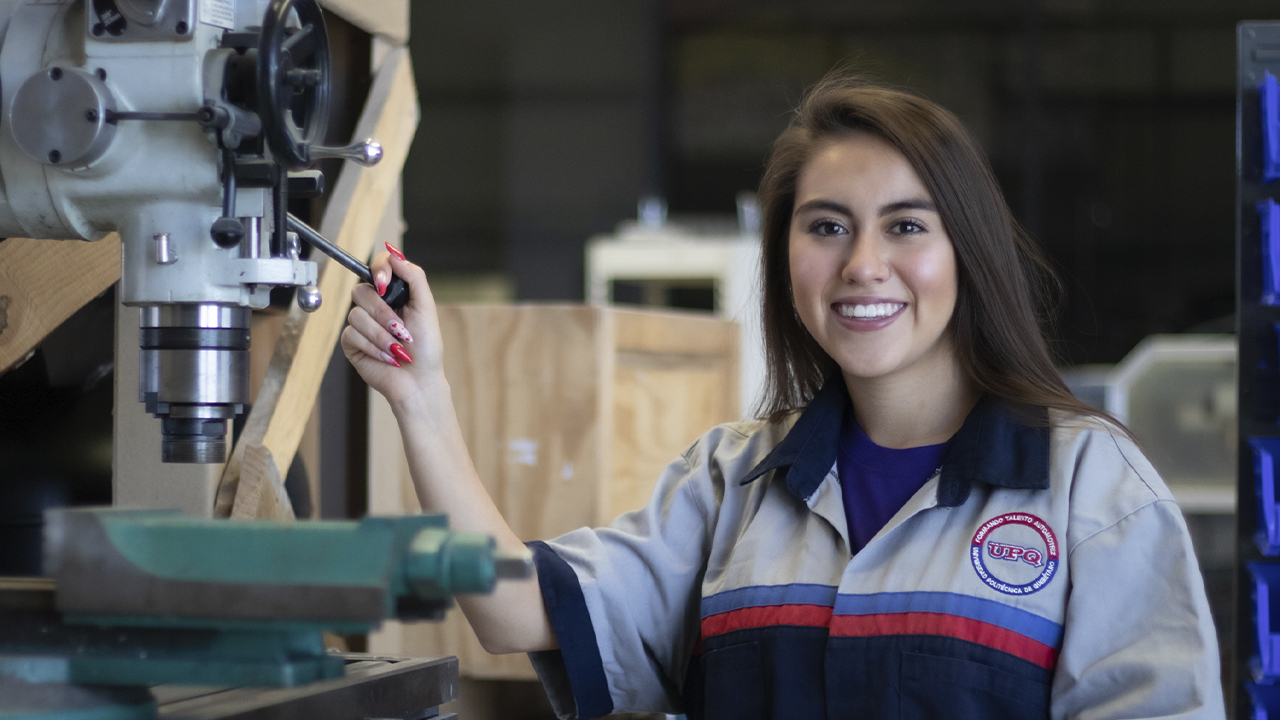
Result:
{"points": [[382, 287], [394, 250], [390, 360], [398, 350]]}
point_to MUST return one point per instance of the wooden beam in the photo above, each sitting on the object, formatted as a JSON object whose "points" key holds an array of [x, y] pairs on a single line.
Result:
{"points": [[260, 495], [351, 221], [43, 282], [388, 19]]}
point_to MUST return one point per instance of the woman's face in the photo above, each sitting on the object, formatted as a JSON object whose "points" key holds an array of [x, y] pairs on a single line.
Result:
{"points": [[873, 273]]}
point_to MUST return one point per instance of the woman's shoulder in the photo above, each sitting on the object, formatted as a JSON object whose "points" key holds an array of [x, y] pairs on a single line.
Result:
{"points": [[1085, 427], [1103, 469], [734, 448], [1100, 435]]}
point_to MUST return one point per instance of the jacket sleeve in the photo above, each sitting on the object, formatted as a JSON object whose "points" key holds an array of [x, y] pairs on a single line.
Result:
{"points": [[1139, 641], [624, 600]]}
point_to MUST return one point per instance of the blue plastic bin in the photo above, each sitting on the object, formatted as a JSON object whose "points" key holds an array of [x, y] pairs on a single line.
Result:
{"points": [[1269, 101], [1269, 223], [1266, 619], [1266, 700], [1266, 458]]}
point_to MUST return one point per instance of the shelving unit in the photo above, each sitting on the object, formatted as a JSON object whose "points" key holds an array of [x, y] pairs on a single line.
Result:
{"points": [[1257, 564]]}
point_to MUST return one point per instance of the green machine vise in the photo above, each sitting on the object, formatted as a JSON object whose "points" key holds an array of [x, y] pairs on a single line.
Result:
{"points": [[145, 597]]}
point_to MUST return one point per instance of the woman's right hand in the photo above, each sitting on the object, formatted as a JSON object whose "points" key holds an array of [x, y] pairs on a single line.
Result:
{"points": [[397, 354]]}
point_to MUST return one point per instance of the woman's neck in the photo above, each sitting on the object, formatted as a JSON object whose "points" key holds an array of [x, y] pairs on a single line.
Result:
{"points": [[912, 409]]}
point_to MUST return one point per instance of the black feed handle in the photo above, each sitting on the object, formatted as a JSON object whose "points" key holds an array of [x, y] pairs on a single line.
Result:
{"points": [[397, 294]]}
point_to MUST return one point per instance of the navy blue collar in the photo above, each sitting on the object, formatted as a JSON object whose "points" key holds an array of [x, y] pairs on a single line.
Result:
{"points": [[991, 447]]}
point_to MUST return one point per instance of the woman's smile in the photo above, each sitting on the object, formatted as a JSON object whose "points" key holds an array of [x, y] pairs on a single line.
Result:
{"points": [[868, 313]]}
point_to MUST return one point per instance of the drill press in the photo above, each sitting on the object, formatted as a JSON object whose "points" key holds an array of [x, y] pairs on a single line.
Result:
{"points": [[184, 125]]}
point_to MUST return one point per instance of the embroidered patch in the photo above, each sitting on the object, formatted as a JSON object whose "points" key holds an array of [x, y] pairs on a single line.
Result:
{"points": [[1015, 553]]}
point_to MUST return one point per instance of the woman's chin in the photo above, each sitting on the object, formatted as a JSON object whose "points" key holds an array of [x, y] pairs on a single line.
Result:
{"points": [[868, 370]]}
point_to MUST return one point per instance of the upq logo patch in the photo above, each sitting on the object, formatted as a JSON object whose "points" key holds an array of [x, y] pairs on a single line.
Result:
{"points": [[1022, 551], [1030, 556]]}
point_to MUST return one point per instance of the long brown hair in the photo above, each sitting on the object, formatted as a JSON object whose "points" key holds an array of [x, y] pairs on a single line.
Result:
{"points": [[995, 329]]}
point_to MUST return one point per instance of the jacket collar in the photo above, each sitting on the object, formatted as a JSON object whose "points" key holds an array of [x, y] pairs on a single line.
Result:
{"points": [[992, 447]]}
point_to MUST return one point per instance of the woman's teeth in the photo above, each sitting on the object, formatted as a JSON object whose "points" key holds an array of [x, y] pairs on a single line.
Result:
{"points": [[877, 310]]}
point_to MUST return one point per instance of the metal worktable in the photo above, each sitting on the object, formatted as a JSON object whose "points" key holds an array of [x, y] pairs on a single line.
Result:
{"points": [[374, 687]]}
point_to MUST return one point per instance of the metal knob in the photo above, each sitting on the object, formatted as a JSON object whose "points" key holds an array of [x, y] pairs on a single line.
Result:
{"points": [[164, 249], [309, 298], [366, 153]]}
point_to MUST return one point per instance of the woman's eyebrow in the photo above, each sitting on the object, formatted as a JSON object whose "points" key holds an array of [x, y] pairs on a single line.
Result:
{"points": [[889, 209], [912, 204], [828, 205]]}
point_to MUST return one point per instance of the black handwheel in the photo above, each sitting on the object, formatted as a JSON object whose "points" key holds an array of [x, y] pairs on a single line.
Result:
{"points": [[293, 81]]}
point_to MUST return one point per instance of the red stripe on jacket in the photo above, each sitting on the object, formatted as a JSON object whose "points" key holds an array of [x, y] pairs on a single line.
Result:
{"points": [[767, 616], [910, 623]]}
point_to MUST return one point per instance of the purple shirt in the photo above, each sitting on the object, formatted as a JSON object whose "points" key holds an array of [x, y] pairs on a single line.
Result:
{"points": [[875, 482]]}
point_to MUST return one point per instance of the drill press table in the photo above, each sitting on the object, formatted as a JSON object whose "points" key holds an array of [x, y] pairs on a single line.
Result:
{"points": [[373, 687]]}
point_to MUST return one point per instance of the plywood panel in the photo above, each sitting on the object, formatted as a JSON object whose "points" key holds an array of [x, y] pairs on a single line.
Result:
{"points": [[673, 333], [661, 405], [523, 380], [43, 282]]}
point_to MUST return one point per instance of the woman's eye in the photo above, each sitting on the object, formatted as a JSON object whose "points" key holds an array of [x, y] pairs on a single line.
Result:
{"points": [[827, 227], [906, 227]]}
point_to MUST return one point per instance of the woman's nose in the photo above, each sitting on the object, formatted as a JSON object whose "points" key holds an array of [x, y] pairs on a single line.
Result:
{"points": [[866, 261]]}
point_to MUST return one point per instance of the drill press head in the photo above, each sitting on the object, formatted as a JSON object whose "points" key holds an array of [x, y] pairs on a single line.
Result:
{"points": [[194, 376], [175, 123]]}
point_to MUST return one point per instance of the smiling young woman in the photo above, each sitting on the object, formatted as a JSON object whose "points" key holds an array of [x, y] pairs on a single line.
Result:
{"points": [[924, 523]]}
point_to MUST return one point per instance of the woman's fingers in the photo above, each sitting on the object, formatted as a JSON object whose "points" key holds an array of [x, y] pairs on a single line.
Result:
{"points": [[382, 336], [381, 268], [353, 341], [413, 275], [367, 299], [412, 333]]}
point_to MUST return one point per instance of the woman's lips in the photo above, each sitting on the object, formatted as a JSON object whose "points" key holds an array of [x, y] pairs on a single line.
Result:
{"points": [[868, 314]]}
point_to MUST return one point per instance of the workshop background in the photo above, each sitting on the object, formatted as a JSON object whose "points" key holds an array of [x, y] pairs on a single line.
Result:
{"points": [[1110, 125]]}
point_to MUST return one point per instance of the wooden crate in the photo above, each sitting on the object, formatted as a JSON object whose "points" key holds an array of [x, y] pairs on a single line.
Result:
{"points": [[570, 413]]}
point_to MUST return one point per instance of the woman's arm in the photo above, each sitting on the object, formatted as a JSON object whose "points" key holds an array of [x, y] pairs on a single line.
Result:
{"points": [[513, 618], [1139, 640]]}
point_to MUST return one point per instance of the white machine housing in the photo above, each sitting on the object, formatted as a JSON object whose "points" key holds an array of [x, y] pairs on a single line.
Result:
{"points": [[98, 134]]}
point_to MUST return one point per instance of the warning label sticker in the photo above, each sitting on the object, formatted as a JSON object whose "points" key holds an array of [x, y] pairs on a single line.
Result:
{"points": [[220, 13]]}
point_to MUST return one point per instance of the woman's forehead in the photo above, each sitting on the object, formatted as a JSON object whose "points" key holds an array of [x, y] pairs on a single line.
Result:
{"points": [[858, 169]]}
